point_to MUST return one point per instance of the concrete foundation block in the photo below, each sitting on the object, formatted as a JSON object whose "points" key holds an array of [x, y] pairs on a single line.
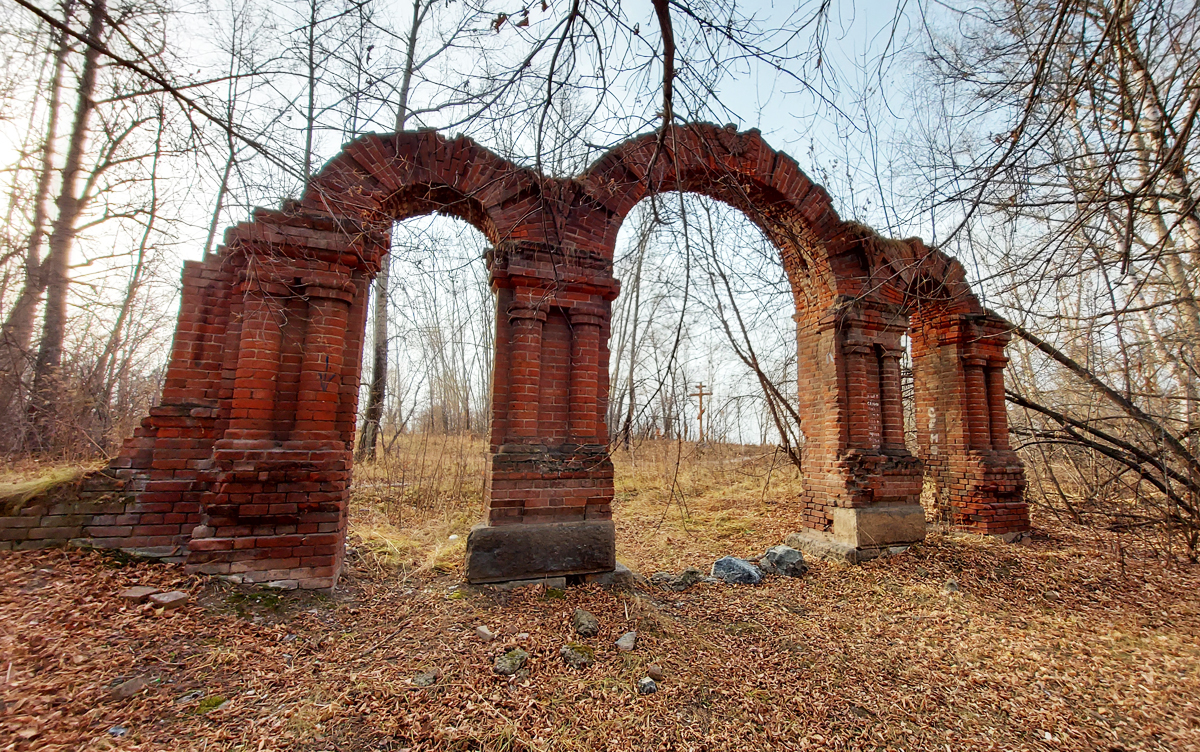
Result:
{"points": [[537, 551], [879, 526]]}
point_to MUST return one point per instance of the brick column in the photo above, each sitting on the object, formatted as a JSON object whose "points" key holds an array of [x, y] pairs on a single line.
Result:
{"points": [[862, 393], [524, 381], [979, 433], [962, 426], [891, 401], [322, 364], [997, 410], [253, 404], [585, 361]]}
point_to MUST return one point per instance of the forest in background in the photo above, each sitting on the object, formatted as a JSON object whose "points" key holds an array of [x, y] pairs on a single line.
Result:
{"points": [[1050, 146]]}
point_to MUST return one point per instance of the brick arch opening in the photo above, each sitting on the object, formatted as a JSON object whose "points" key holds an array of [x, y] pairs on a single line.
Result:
{"points": [[244, 467]]}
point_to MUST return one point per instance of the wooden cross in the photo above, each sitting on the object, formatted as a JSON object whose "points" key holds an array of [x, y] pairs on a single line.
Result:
{"points": [[701, 394]]}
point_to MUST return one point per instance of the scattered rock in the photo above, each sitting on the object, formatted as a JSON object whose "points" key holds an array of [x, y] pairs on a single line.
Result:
{"points": [[951, 586], [683, 581], [555, 583], [427, 678], [484, 634], [577, 655], [118, 731], [655, 672], [627, 642], [128, 689], [688, 577], [138, 593], [511, 662], [646, 686], [173, 599], [736, 571], [1052, 595], [621, 578], [585, 624], [662, 579], [523, 636], [282, 584], [783, 560]]}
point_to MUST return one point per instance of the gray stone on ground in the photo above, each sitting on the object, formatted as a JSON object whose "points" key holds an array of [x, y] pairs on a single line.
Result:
{"points": [[736, 571], [576, 655], [655, 672], [783, 560], [627, 642], [484, 634], [646, 686], [138, 593], [678, 583], [511, 662], [426, 678], [173, 599], [621, 578], [585, 624], [687, 578], [550, 582], [128, 689], [282, 585]]}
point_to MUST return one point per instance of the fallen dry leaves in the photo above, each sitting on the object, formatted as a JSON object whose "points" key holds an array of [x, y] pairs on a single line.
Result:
{"points": [[870, 657]]}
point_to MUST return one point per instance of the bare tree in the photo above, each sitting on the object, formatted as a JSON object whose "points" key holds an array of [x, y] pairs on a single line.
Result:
{"points": [[1071, 180]]}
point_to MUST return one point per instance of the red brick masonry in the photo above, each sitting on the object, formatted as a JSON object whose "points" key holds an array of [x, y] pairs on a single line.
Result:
{"points": [[245, 466]]}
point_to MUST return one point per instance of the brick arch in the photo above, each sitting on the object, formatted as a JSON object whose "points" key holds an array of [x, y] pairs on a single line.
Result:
{"points": [[244, 467], [743, 171]]}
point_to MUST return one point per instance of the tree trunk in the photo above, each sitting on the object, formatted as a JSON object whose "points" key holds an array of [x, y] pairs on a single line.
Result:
{"points": [[18, 327], [56, 267], [377, 390]]}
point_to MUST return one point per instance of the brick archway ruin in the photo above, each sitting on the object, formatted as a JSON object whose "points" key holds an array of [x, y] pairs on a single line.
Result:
{"points": [[245, 465]]}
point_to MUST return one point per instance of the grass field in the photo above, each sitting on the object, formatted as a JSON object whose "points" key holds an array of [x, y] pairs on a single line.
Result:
{"points": [[1070, 643]]}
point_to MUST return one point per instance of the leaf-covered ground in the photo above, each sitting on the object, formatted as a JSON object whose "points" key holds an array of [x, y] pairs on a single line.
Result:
{"points": [[1058, 645]]}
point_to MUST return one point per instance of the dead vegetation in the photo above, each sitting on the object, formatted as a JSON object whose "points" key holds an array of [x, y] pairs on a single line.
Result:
{"points": [[1069, 643]]}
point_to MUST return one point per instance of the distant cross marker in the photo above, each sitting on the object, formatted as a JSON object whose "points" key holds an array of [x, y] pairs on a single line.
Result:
{"points": [[701, 394]]}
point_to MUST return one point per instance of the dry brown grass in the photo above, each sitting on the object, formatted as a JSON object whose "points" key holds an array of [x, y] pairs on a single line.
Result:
{"points": [[679, 504], [23, 481], [406, 506]]}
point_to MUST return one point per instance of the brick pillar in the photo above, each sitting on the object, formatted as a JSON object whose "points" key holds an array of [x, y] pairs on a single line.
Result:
{"points": [[585, 360], [524, 377], [858, 498], [997, 409], [322, 364], [962, 426], [891, 401], [862, 392], [549, 486], [979, 432], [253, 405]]}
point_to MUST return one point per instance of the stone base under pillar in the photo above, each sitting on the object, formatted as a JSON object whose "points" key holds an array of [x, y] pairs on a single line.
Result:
{"points": [[534, 551], [818, 545], [864, 533]]}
